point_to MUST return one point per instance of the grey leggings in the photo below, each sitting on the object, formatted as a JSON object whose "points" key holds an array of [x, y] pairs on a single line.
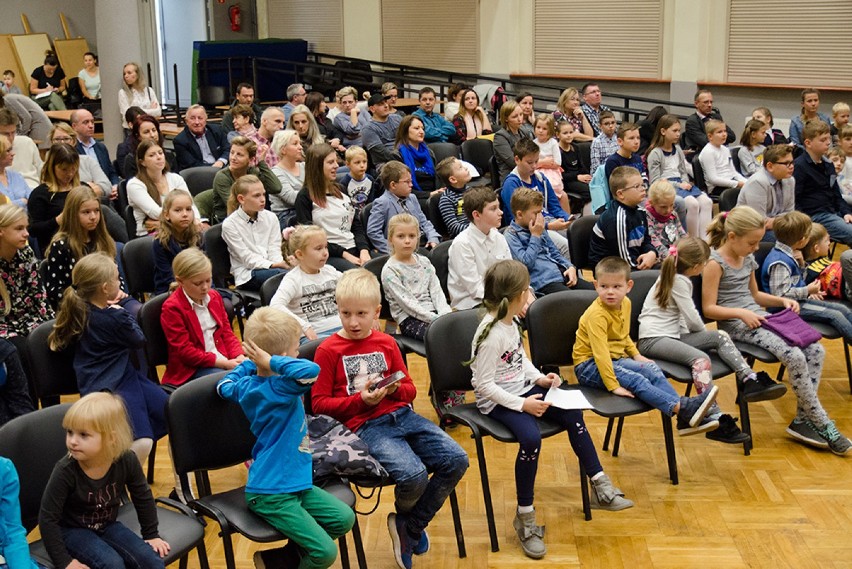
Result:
{"points": [[804, 367]]}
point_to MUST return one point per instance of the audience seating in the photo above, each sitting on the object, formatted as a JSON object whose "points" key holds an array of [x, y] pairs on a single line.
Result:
{"points": [[579, 236], [204, 203], [269, 288], [407, 344], [36, 441], [440, 258], [199, 178], [156, 345], [728, 199], [480, 152], [443, 150], [217, 250], [735, 159], [130, 223], [433, 212], [698, 177], [52, 373], [137, 256]]}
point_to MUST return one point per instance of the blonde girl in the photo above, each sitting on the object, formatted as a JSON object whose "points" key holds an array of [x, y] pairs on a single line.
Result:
{"points": [[136, 93], [104, 334], [242, 158], [568, 110], [670, 328], [511, 390], [810, 111], [730, 295], [549, 156], [751, 151], [195, 323], [307, 292], [666, 161], [79, 508], [23, 302], [178, 231], [664, 227], [773, 135]]}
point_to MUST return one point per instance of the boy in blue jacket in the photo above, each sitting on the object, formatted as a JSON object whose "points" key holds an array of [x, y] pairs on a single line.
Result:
{"points": [[280, 481]]}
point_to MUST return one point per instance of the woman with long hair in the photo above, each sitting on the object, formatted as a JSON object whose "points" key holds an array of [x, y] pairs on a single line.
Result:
{"points": [[47, 83], [568, 109], [136, 93], [471, 120], [58, 176], [411, 150]]}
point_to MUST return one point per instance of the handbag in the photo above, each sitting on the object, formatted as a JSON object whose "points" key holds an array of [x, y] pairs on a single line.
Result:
{"points": [[790, 327], [337, 451]]}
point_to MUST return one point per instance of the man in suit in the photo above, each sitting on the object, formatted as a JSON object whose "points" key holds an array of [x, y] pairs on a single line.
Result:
{"points": [[695, 138], [200, 144], [244, 96], [771, 191], [83, 124]]}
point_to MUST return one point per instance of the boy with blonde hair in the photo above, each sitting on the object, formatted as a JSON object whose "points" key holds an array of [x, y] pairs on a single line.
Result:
{"points": [[269, 387], [352, 362], [360, 186], [715, 158]]}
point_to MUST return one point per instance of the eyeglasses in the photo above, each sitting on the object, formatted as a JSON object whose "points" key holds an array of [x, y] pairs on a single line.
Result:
{"points": [[639, 186], [786, 163]]}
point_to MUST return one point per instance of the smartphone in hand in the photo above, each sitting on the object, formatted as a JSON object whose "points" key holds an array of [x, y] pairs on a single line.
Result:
{"points": [[389, 380]]}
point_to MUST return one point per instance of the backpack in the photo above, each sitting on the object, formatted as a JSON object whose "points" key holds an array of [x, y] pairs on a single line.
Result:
{"points": [[599, 189], [497, 99]]}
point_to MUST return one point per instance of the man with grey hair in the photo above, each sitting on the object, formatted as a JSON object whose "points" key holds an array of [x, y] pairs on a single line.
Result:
{"points": [[199, 143], [271, 121], [295, 96]]}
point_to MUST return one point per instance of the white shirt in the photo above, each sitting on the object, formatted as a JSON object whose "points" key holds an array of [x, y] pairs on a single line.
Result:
{"points": [[471, 253], [144, 205], [252, 244], [144, 99], [718, 167], [336, 219], [207, 322], [310, 298], [679, 317], [27, 161]]}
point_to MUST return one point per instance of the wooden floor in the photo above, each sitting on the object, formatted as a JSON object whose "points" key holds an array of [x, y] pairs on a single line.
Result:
{"points": [[786, 505]]}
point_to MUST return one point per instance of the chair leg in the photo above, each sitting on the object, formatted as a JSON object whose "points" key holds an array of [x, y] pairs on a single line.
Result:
{"points": [[745, 418], [229, 549], [183, 562], [848, 363], [617, 444], [152, 458], [344, 552], [668, 435], [688, 390], [454, 507], [202, 555], [584, 493], [486, 493], [359, 545], [609, 425], [780, 377]]}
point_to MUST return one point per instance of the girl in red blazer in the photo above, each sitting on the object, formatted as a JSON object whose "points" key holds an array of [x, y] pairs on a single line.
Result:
{"points": [[201, 340]]}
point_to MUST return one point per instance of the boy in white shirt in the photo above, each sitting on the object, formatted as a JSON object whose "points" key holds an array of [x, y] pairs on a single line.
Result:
{"points": [[715, 158]]}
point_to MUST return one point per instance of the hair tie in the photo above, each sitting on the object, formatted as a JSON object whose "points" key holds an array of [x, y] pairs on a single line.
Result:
{"points": [[673, 251], [74, 286], [725, 214], [288, 231]]}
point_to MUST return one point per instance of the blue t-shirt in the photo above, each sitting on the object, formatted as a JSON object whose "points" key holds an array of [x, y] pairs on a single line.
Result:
{"points": [[551, 209]]}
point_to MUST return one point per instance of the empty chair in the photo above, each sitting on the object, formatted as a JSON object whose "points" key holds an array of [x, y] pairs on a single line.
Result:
{"points": [[433, 212], [137, 256], [199, 178], [579, 236], [479, 152], [443, 150]]}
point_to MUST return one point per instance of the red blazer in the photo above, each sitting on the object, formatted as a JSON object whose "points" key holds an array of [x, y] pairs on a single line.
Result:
{"points": [[186, 341]]}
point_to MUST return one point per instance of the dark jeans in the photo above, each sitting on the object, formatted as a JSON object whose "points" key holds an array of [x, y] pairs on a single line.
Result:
{"points": [[116, 546], [258, 277], [559, 287], [524, 427]]}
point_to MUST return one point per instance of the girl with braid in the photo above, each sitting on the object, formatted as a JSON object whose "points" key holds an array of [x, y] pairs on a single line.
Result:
{"points": [[511, 390]]}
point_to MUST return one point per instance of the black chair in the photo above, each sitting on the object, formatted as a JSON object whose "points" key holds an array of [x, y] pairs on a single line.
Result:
{"points": [[553, 320], [479, 152], [269, 288], [212, 96], [448, 343], [130, 223], [121, 203], [365, 218], [409, 345], [584, 152], [199, 178], [433, 212], [443, 150], [440, 258], [36, 441], [579, 236], [698, 176], [216, 248], [208, 433], [156, 344], [52, 372], [728, 199], [137, 256], [735, 159]]}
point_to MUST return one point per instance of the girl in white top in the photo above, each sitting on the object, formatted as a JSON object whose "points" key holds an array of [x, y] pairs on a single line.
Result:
{"points": [[549, 156], [307, 291], [671, 329], [152, 182], [510, 389], [410, 282], [324, 203], [751, 151], [715, 158], [136, 93], [290, 170]]}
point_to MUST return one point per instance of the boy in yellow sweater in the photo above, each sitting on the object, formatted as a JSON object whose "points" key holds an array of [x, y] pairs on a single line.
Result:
{"points": [[605, 357]]}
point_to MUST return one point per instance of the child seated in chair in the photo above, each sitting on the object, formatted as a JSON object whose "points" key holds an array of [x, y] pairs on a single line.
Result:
{"points": [[606, 357], [269, 387], [451, 202], [408, 445]]}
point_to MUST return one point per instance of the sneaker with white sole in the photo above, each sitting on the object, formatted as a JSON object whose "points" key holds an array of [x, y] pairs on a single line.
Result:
{"points": [[694, 409], [806, 433], [400, 540], [607, 497], [838, 443], [705, 426]]}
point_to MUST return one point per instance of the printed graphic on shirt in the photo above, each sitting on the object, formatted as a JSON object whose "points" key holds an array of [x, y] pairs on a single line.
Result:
{"points": [[363, 368], [100, 510], [305, 445], [358, 192], [460, 207], [346, 220], [318, 300], [511, 365]]}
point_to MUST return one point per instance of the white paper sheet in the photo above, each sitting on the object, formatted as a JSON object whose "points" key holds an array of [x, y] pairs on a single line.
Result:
{"points": [[567, 398]]}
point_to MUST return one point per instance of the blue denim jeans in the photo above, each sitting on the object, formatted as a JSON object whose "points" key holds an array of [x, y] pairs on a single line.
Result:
{"points": [[645, 380], [838, 229], [409, 447], [836, 314], [258, 277], [115, 547]]}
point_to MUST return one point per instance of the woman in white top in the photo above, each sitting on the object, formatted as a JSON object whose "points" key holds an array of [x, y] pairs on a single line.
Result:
{"points": [[153, 181], [90, 77], [323, 202], [290, 169], [136, 93]]}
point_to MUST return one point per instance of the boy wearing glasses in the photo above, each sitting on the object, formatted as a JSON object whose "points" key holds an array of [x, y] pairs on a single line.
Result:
{"points": [[622, 229], [771, 191]]}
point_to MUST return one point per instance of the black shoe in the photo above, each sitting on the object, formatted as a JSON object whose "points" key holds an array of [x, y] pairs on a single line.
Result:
{"points": [[762, 388], [728, 432], [284, 557]]}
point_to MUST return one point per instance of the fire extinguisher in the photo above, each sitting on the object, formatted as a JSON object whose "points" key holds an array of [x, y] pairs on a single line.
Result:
{"points": [[235, 17]]}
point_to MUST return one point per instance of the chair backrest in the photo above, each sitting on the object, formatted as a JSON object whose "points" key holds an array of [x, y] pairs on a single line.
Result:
{"points": [[552, 323], [642, 283], [217, 250], [478, 151], [735, 158], [269, 288], [137, 257], [698, 173], [584, 152], [199, 178], [130, 222], [307, 351], [156, 344], [206, 432], [52, 372], [443, 150], [579, 236], [448, 342], [763, 250], [121, 202], [434, 214], [440, 258], [34, 443], [375, 266], [365, 215], [728, 199], [211, 96]]}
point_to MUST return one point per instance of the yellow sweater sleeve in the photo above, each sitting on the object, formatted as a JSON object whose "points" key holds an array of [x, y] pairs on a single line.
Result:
{"points": [[597, 327]]}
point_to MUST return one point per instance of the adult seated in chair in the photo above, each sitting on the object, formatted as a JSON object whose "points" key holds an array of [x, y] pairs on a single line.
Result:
{"points": [[145, 127], [592, 106], [271, 121], [695, 137], [200, 144], [47, 83], [771, 191], [244, 95], [83, 123], [438, 129], [34, 122], [296, 95], [379, 134], [27, 161]]}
